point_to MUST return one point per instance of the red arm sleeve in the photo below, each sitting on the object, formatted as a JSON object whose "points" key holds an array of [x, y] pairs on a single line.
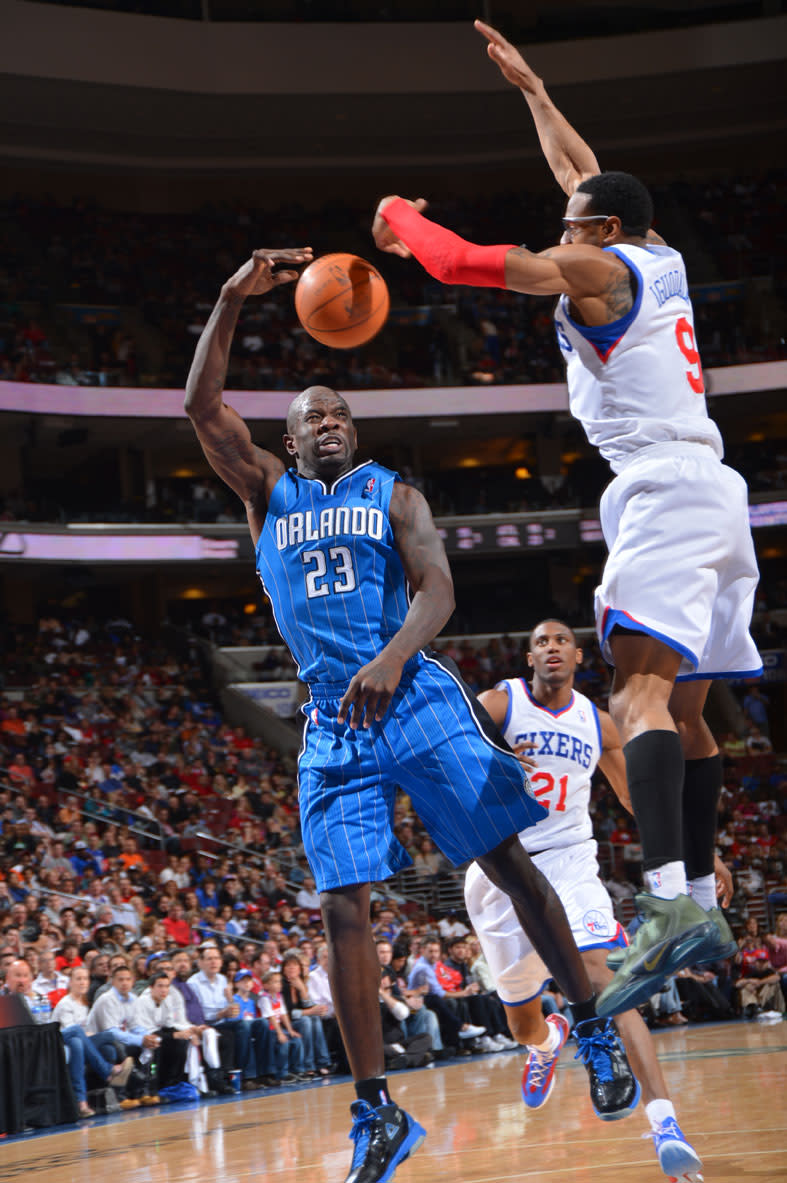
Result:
{"points": [[442, 253]]}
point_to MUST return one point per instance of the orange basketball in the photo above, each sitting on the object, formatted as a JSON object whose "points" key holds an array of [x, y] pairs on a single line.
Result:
{"points": [[341, 300]]}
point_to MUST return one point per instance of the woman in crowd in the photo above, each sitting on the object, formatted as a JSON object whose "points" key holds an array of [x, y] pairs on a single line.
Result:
{"points": [[93, 1051], [305, 1016]]}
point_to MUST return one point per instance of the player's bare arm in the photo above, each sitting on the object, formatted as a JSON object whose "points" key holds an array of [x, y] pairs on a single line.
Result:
{"points": [[426, 568], [495, 703], [597, 282], [612, 762], [569, 157], [225, 438]]}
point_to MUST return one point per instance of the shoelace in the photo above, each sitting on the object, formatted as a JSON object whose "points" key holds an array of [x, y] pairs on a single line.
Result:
{"points": [[596, 1049], [668, 1128], [361, 1130], [537, 1069]]}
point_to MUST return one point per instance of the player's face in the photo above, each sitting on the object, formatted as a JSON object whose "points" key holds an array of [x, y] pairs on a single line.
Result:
{"points": [[553, 653], [323, 437], [584, 225]]}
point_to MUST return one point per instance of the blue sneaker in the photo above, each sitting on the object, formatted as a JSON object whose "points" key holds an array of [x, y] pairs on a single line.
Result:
{"points": [[538, 1078], [383, 1137], [678, 1160], [614, 1089]]}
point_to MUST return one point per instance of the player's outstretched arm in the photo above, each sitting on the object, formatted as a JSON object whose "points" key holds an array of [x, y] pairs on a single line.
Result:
{"points": [[225, 438], [579, 271], [426, 568], [566, 153]]}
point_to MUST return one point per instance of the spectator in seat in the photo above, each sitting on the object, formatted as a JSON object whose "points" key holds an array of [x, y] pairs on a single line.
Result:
{"points": [[259, 1064], [218, 1006], [79, 1049], [160, 1012], [306, 1016]]}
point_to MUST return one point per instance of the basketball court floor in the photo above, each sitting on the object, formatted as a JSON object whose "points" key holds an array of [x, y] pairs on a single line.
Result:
{"points": [[728, 1081]]}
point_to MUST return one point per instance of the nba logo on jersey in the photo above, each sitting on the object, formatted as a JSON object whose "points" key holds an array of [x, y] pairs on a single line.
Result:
{"points": [[368, 488]]}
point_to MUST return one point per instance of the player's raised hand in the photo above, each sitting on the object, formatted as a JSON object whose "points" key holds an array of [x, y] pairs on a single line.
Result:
{"points": [[257, 274], [508, 59], [382, 233]]}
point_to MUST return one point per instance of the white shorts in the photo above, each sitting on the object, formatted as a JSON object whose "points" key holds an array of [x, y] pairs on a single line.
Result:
{"points": [[681, 562], [519, 972]]}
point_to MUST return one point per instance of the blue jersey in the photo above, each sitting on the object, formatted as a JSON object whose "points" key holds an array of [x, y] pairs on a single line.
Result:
{"points": [[327, 560]]}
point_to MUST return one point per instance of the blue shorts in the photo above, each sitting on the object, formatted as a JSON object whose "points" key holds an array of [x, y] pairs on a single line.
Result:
{"points": [[438, 744]]}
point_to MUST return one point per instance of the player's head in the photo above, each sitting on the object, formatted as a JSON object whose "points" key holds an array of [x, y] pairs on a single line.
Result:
{"points": [[552, 653], [321, 434], [608, 208]]}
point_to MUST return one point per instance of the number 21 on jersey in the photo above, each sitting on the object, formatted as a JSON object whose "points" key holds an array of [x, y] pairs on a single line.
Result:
{"points": [[544, 785]]}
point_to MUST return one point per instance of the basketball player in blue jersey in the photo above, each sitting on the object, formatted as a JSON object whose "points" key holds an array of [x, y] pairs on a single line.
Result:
{"points": [[674, 605], [359, 584], [565, 738]]}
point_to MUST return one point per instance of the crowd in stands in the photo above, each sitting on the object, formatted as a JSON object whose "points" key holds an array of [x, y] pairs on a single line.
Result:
{"points": [[74, 278], [156, 902]]}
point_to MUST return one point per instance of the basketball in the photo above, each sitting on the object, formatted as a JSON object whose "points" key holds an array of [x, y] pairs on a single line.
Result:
{"points": [[341, 300]]}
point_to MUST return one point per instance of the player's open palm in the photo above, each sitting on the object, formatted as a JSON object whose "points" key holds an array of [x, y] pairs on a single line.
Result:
{"points": [[257, 274], [508, 59]]}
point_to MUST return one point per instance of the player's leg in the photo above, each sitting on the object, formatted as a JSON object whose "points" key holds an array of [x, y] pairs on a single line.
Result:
{"points": [[346, 801], [675, 927], [384, 1135], [520, 975], [677, 1157], [701, 790]]}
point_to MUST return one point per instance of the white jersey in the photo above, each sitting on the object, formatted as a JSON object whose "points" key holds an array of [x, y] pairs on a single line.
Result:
{"points": [[567, 749], [638, 381]]}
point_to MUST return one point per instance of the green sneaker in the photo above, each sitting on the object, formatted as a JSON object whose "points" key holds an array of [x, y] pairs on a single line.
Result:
{"points": [[672, 936], [720, 944]]}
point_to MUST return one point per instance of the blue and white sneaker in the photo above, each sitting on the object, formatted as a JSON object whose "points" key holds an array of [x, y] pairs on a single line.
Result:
{"points": [[614, 1089], [678, 1160], [538, 1078], [383, 1137]]}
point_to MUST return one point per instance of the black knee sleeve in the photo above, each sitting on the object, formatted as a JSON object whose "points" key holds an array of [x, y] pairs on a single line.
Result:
{"points": [[701, 788], [654, 769]]}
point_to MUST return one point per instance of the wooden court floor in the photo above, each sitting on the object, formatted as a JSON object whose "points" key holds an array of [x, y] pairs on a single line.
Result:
{"points": [[728, 1081]]}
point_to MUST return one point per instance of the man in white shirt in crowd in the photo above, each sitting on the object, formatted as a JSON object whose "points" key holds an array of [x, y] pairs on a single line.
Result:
{"points": [[161, 1012], [48, 978], [215, 996]]}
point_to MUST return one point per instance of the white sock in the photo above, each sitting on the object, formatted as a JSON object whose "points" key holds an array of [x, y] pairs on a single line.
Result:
{"points": [[550, 1043], [704, 891], [658, 1111], [667, 881]]}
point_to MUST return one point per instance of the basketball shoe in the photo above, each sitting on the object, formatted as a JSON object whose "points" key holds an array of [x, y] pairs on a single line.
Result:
{"points": [[678, 1160], [383, 1137], [671, 936], [614, 1089], [718, 945], [538, 1078]]}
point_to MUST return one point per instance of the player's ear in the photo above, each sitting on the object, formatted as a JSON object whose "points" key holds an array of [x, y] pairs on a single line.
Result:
{"points": [[530, 660], [579, 657], [289, 444]]}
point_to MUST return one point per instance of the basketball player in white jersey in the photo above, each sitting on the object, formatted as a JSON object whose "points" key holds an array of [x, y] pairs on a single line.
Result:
{"points": [[566, 738], [674, 605]]}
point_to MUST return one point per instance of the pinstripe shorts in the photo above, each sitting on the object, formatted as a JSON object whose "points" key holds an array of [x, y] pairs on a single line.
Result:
{"points": [[439, 745]]}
